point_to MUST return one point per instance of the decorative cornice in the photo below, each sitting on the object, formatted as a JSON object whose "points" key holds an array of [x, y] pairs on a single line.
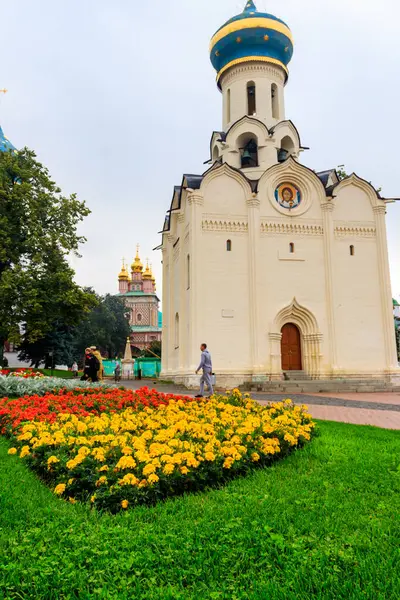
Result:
{"points": [[346, 231], [275, 337], [327, 207], [253, 202], [195, 198], [293, 228], [239, 69], [379, 210], [225, 225]]}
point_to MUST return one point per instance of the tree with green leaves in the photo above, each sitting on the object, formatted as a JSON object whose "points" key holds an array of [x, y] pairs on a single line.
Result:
{"points": [[38, 230], [153, 351], [106, 326]]}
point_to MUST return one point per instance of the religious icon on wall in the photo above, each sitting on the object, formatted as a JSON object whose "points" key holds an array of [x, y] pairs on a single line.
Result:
{"points": [[288, 195]]}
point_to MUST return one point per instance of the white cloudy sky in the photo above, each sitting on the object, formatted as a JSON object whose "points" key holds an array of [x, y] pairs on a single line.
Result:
{"points": [[118, 99]]}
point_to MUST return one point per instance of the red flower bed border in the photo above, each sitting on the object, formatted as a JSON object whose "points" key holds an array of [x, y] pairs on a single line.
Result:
{"points": [[78, 402]]}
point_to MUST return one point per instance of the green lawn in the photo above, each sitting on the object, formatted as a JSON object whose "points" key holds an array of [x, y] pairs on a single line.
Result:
{"points": [[322, 524]]}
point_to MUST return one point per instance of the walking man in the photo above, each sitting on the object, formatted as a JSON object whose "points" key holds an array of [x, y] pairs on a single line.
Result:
{"points": [[206, 365]]}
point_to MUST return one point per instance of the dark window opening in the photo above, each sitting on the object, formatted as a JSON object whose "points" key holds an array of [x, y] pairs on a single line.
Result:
{"points": [[291, 248], [351, 250], [275, 101], [229, 246], [251, 98], [249, 155]]}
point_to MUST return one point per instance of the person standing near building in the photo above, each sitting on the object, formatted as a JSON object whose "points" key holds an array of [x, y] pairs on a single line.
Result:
{"points": [[206, 365], [74, 369]]}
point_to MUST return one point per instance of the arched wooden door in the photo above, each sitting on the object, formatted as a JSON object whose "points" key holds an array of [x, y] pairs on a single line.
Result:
{"points": [[291, 348]]}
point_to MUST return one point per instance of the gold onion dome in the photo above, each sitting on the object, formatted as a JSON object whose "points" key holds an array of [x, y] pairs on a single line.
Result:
{"points": [[137, 266], [147, 274], [123, 276]]}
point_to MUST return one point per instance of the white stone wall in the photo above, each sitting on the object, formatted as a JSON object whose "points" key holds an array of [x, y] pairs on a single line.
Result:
{"points": [[239, 300]]}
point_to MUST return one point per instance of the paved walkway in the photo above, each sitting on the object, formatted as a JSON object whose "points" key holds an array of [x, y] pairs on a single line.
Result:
{"points": [[379, 409]]}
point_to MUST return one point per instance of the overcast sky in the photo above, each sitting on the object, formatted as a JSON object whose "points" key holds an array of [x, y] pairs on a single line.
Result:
{"points": [[118, 99]]}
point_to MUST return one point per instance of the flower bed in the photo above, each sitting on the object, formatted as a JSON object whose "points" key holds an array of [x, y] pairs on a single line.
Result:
{"points": [[141, 455], [23, 373], [95, 401], [19, 386]]}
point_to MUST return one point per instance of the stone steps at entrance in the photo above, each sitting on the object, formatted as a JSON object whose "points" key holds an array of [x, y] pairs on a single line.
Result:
{"points": [[293, 386], [296, 376]]}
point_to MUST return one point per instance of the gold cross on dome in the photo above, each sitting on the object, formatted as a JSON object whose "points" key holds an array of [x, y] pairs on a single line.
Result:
{"points": [[4, 91]]}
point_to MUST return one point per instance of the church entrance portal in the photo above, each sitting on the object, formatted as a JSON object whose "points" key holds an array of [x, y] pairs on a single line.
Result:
{"points": [[291, 348]]}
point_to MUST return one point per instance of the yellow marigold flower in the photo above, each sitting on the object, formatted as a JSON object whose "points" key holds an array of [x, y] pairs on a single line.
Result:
{"points": [[71, 464], [72, 500], [143, 483], [127, 451], [126, 462], [102, 480], [59, 489], [71, 481], [52, 460], [168, 469], [210, 456], [149, 469], [12, 451], [25, 450], [92, 498], [104, 468], [129, 479], [153, 479], [228, 462], [124, 504], [255, 457], [25, 436], [184, 470]]}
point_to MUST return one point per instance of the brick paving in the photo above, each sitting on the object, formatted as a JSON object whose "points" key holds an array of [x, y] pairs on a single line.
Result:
{"points": [[378, 409]]}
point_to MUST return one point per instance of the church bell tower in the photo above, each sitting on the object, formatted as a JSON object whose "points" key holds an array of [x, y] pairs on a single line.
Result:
{"points": [[250, 54]]}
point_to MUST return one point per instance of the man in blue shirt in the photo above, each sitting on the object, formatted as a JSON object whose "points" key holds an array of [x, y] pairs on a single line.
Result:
{"points": [[206, 365]]}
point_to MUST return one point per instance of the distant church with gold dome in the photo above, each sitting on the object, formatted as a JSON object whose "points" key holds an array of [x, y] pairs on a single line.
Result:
{"points": [[283, 271], [138, 289]]}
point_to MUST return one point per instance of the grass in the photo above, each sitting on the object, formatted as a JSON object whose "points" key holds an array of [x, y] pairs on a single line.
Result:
{"points": [[324, 523], [60, 373]]}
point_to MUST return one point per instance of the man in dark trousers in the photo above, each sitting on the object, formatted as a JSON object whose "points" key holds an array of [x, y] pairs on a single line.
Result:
{"points": [[91, 366], [206, 365]]}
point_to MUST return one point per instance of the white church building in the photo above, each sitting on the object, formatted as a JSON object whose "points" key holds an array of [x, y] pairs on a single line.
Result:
{"points": [[276, 267]]}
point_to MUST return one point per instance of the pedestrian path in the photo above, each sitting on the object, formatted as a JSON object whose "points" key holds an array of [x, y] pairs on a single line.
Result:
{"points": [[381, 409]]}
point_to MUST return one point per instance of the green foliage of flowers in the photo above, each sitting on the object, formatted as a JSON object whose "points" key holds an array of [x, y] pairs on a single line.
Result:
{"points": [[16, 386]]}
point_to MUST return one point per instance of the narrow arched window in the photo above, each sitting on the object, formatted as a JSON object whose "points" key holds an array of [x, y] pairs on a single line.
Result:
{"points": [[188, 271], [176, 331], [139, 318], [228, 106], [251, 98], [275, 101], [291, 248], [351, 250], [229, 246]]}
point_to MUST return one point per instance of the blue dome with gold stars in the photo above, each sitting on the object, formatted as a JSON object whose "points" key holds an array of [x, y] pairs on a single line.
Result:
{"points": [[5, 144], [250, 36]]}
